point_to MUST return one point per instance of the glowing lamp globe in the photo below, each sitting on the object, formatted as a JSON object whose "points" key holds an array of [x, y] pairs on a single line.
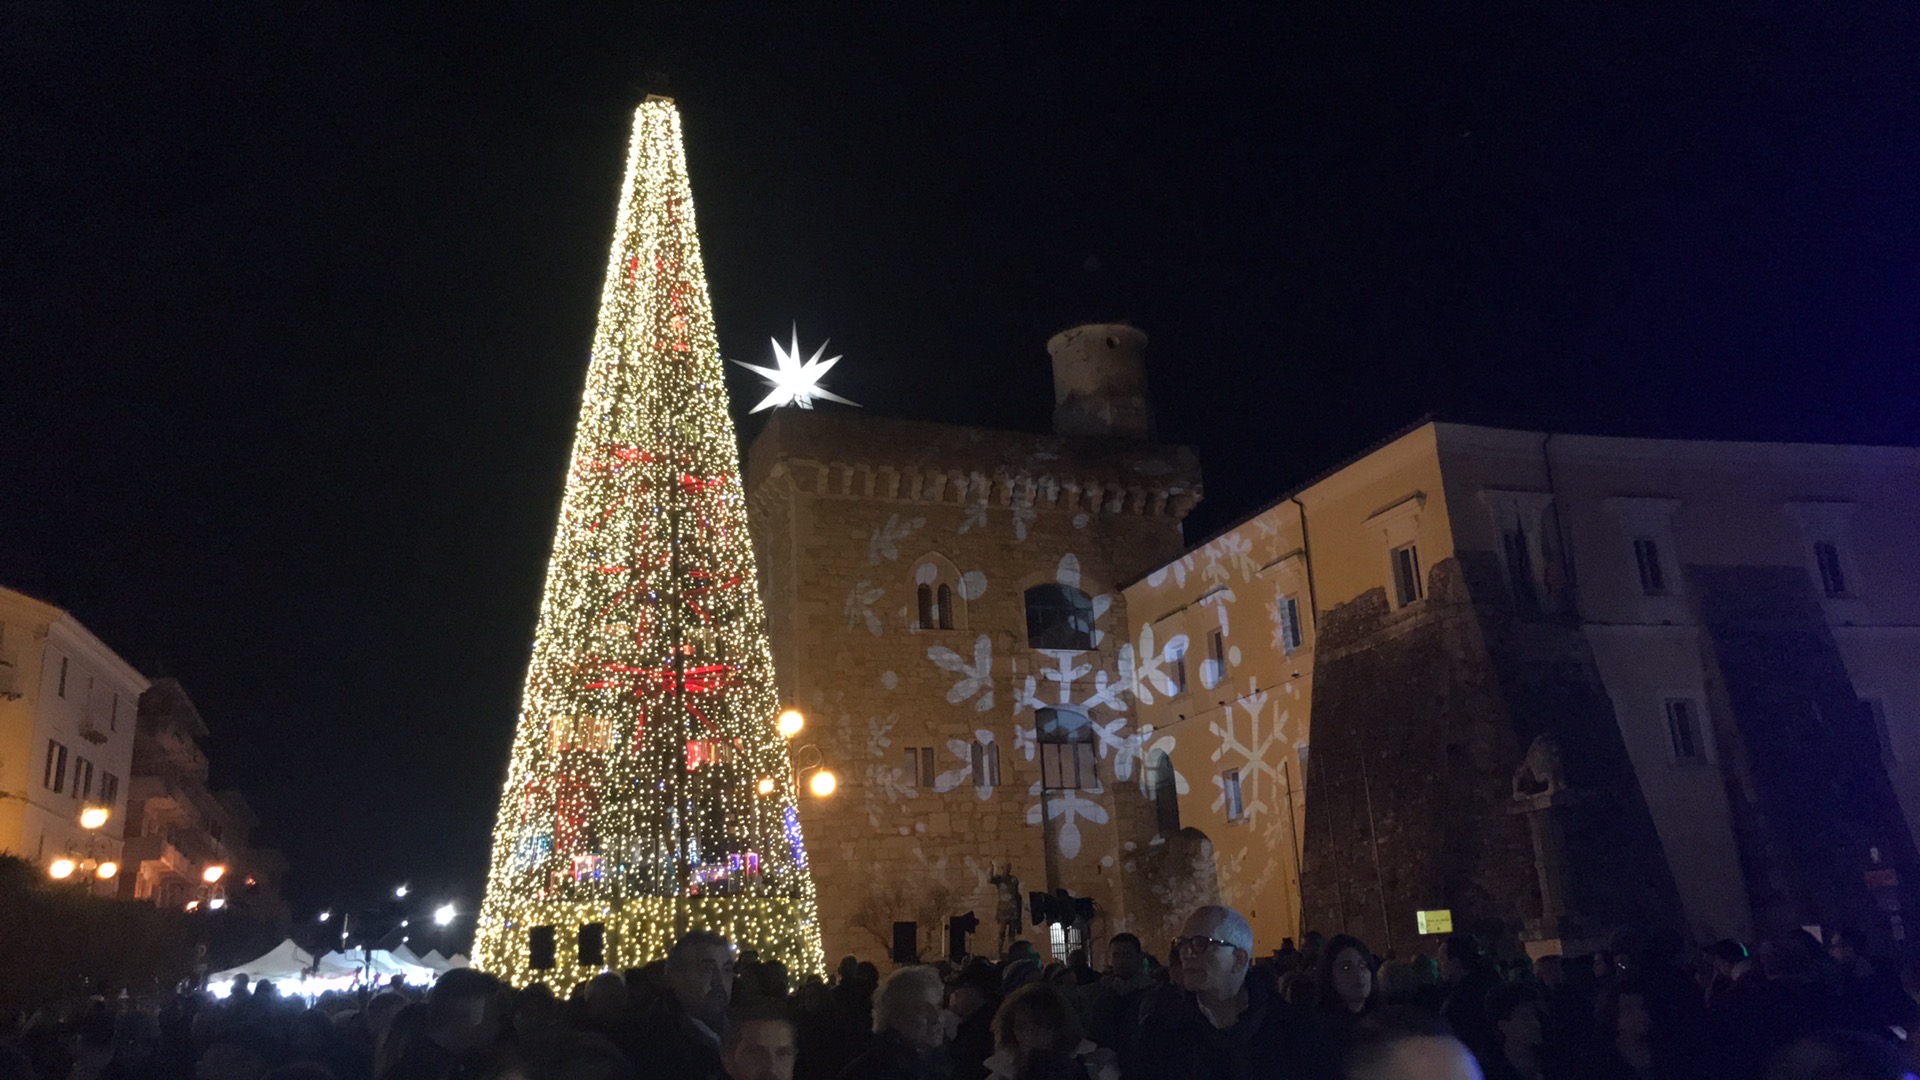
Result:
{"points": [[790, 723], [106, 870], [765, 787], [217, 903], [60, 869], [94, 816], [213, 873], [444, 915], [823, 784]]}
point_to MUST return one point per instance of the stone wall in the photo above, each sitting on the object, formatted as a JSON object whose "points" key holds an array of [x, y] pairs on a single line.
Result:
{"points": [[850, 513]]}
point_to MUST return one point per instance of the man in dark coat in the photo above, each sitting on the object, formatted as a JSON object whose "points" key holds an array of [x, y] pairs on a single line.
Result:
{"points": [[1226, 1022], [682, 1033]]}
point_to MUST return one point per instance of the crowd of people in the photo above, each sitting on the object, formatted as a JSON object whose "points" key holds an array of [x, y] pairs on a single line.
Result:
{"points": [[1792, 1008]]}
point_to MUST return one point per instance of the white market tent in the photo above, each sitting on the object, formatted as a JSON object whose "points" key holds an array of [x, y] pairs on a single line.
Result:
{"points": [[378, 966], [285, 962]]}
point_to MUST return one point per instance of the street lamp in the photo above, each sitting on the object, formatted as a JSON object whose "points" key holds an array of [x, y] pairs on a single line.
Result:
{"points": [[789, 723], [444, 915], [325, 915], [823, 784], [94, 816], [212, 874], [765, 787], [400, 892], [106, 870], [216, 903], [60, 869]]}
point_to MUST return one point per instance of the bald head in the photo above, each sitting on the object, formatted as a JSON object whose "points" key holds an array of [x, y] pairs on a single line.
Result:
{"points": [[1402, 1043]]}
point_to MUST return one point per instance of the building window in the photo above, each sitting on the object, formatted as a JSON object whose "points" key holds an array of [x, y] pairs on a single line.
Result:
{"points": [[82, 778], [919, 766], [1230, 791], [1646, 557], [1877, 712], [1177, 665], [1406, 573], [1683, 732], [1291, 636], [943, 605], [1215, 669], [1066, 750], [63, 677], [109, 790], [1059, 617], [1519, 550], [56, 774], [1826, 559], [113, 714], [986, 764], [925, 595], [1163, 784]]}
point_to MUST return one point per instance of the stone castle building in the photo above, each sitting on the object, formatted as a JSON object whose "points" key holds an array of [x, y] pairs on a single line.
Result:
{"points": [[943, 605], [1551, 685]]}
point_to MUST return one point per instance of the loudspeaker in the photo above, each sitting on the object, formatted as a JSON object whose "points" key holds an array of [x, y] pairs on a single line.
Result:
{"points": [[906, 942], [540, 947], [593, 945]]}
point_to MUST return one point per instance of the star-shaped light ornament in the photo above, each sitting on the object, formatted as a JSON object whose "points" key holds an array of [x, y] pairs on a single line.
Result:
{"points": [[795, 383]]}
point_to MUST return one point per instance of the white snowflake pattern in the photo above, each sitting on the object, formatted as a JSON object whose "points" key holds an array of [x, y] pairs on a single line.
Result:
{"points": [[1148, 678], [1067, 807], [973, 585], [1022, 518], [1254, 757], [860, 603], [1024, 741], [976, 517], [963, 773], [1177, 570], [885, 543], [879, 737], [975, 677]]}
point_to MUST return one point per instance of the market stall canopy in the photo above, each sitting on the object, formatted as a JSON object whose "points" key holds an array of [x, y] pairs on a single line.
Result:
{"points": [[284, 962]]}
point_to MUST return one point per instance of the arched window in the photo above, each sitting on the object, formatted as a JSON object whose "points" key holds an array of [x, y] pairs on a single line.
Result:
{"points": [[1066, 750], [925, 593], [944, 606], [1059, 617], [1161, 786]]}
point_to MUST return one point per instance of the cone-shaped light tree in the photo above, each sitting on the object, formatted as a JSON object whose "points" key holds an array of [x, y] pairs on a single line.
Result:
{"points": [[649, 792]]}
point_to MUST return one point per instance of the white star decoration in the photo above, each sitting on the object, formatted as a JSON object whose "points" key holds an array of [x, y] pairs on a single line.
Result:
{"points": [[795, 383]]}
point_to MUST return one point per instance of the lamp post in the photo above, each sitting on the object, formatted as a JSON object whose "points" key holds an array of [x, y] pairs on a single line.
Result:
{"points": [[806, 761], [95, 864]]}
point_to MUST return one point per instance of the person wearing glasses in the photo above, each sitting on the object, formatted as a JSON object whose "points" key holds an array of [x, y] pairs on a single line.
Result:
{"points": [[1226, 1021]]}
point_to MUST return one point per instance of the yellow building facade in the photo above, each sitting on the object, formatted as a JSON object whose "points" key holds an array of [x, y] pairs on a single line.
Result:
{"points": [[67, 716]]}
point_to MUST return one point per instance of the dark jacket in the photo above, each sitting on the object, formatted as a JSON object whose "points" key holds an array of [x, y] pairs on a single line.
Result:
{"points": [[892, 1058], [1271, 1040], [972, 1044], [669, 1045]]}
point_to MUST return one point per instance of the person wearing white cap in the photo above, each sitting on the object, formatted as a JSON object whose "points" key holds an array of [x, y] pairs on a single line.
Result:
{"points": [[1223, 1024]]}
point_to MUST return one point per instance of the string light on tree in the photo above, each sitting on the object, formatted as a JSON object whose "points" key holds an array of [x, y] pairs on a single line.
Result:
{"points": [[634, 797]]}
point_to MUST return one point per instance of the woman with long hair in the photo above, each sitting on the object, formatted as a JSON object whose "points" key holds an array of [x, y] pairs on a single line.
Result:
{"points": [[1038, 1036], [1343, 982]]}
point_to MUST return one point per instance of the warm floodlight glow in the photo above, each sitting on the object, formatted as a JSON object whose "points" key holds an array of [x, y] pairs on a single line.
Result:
{"points": [[790, 723], [795, 383], [213, 873], [107, 869], [60, 869], [193, 905], [444, 914], [823, 783], [765, 787], [94, 816]]}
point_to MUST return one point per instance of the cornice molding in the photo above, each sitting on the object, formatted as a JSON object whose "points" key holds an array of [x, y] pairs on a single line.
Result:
{"points": [[1004, 488]]}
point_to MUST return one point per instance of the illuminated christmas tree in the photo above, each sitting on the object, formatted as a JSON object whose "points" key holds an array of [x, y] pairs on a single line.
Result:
{"points": [[649, 792]]}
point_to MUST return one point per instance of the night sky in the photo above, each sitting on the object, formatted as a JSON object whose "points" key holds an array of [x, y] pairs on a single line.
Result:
{"points": [[295, 299]]}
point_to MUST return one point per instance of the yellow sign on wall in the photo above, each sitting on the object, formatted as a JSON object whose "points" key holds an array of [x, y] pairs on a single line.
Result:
{"points": [[1434, 922]]}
